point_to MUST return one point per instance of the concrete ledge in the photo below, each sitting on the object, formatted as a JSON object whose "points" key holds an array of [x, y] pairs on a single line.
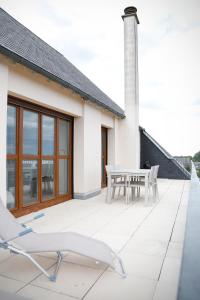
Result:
{"points": [[85, 196], [189, 287]]}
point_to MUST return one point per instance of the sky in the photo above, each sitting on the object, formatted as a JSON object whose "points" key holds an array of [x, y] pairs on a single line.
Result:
{"points": [[90, 34]]}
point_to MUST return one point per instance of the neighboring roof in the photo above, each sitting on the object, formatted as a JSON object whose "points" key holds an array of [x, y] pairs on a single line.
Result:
{"points": [[156, 143], [19, 43], [185, 173]]}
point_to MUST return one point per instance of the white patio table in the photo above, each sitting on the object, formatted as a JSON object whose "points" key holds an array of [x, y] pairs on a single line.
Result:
{"points": [[131, 172]]}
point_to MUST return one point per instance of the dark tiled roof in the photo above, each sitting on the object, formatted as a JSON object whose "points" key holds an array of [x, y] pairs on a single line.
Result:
{"points": [[156, 155], [23, 46]]}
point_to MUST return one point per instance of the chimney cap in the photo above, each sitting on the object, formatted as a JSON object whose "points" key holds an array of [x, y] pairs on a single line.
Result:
{"points": [[130, 11]]}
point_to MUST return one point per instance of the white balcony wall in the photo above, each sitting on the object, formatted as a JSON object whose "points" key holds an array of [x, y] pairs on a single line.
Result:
{"points": [[19, 81], [3, 127]]}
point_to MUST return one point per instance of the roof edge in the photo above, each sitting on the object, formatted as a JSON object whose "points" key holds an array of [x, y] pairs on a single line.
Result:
{"points": [[53, 77]]}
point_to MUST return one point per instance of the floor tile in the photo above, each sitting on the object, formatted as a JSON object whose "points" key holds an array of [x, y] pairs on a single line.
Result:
{"points": [[171, 270], [72, 280], [37, 293], [175, 250], [9, 296], [146, 246], [4, 254], [10, 285], [116, 242], [20, 268], [165, 290], [112, 287], [142, 265]]}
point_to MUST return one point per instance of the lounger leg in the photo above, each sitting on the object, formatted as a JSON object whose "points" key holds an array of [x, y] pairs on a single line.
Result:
{"points": [[60, 257], [33, 261], [51, 277], [122, 272]]}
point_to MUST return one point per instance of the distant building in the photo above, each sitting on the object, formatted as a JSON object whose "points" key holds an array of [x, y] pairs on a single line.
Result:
{"points": [[197, 165], [185, 161]]}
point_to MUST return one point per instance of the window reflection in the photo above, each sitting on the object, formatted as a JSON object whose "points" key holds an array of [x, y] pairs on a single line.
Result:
{"points": [[63, 176], [30, 181], [11, 183], [30, 132], [11, 130], [47, 179], [47, 135], [63, 137]]}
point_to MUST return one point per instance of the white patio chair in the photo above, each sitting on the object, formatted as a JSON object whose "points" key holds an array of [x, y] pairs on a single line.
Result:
{"points": [[117, 181], [152, 183], [20, 239]]}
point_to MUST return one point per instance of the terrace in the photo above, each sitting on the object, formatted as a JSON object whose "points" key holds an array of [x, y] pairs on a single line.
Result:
{"points": [[149, 239]]}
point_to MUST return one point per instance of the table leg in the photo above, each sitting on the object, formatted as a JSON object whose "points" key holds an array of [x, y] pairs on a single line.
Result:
{"points": [[146, 190], [108, 197]]}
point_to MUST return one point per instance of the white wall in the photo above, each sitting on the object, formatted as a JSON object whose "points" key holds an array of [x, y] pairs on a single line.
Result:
{"points": [[19, 81], [3, 128], [87, 152], [36, 88]]}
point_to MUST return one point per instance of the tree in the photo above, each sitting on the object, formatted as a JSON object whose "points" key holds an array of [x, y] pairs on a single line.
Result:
{"points": [[196, 157]]}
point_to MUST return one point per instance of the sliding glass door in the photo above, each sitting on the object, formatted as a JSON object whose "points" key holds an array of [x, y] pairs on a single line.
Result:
{"points": [[39, 157]]}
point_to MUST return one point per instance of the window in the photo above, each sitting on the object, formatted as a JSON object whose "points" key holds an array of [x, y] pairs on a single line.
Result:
{"points": [[39, 157]]}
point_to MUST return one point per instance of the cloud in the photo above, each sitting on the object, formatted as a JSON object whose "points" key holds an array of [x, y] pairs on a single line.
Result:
{"points": [[196, 102], [151, 104]]}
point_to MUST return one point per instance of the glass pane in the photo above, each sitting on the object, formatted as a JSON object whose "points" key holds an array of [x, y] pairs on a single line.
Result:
{"points": [[47, 179], [30, 181], [30, 133], [11, 183], [47, 135], [63, 137], [11, 130], [63, 176]]}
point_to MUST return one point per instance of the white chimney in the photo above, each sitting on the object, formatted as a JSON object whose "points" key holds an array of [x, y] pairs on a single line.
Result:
{"points": [[129, 127]]}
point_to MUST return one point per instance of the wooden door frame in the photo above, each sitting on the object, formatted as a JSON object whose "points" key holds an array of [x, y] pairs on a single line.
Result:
{"points": [[20, 105], [104, 178]]}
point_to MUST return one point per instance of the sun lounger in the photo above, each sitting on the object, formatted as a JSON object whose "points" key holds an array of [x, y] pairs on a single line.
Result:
{"points": [[20, 239]]}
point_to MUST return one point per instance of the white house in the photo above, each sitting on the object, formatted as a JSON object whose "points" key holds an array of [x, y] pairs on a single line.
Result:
{"points": [[58, 130]]}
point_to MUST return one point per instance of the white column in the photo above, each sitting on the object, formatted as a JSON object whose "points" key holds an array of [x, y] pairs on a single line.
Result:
{"points": [[87, 153], [113, 135], [3, 128], [129, 127]]}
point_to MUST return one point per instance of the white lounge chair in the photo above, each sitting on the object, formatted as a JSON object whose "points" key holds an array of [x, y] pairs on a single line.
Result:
{"points": [[20, 239]]}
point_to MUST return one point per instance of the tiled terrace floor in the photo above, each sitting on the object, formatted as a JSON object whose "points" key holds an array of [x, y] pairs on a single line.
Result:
{"points": [[149, 240]]}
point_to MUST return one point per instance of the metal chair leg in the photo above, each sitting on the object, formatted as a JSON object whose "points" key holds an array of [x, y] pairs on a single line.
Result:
{"points": [[51, 277]]}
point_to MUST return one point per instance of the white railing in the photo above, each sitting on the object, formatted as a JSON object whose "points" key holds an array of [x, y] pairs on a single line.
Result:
{"points": [[189, 288], [194, 176]]}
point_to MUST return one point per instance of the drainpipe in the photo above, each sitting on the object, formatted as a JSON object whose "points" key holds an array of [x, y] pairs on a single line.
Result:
{"points": [[129, 127]]}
